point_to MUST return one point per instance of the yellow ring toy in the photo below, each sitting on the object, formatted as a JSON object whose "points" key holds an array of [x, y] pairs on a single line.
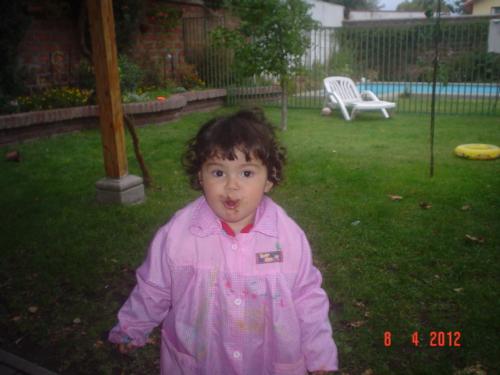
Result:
{"points": [[478, 151]]}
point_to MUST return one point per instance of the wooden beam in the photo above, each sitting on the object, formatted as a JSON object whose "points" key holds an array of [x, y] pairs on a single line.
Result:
{"points": [[104, 55]]}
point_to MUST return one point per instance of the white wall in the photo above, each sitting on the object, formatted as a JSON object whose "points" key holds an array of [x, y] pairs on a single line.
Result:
{"points": [[494, 36], [362, 15], [327, 14]]}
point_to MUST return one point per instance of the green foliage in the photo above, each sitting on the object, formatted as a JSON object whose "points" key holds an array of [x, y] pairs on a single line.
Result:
{"points": [[424, 6], [386, 265], [358, 4], [130, 74], [58, 97], [85, 75], [165, 15], [127, 14], [132, 97], [401, 53], [188, 77], [12, 29], [472, 66], [271, 38]]}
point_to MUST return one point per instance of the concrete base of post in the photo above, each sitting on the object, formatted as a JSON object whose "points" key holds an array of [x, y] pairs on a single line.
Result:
{"points": [[128, 189]]}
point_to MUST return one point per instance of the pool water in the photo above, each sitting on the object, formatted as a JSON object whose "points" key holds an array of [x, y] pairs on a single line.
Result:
{"points": [[462, 89]]}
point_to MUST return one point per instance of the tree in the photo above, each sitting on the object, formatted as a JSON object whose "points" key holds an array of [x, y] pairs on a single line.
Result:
{"points": [[271, 38], [427, 6], [358, 4], [459, 7]]}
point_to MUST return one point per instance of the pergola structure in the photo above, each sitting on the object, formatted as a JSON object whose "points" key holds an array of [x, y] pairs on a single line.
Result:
{"points": [[118, 186]]}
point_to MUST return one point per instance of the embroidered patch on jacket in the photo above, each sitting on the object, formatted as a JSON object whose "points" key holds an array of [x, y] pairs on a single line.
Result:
{"points": [[269, 257]]}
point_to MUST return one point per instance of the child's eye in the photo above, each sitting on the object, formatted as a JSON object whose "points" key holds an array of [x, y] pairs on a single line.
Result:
{"points": [[217, 173], [247, 173]]}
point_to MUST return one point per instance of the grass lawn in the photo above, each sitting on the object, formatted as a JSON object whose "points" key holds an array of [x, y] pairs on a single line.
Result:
{"points": [[398, 266]]}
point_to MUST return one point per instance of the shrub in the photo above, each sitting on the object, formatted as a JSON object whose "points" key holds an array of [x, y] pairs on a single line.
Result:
{"points": [[130, 74], [58, 97], [132, 97], [188, 76], [85, 75]]}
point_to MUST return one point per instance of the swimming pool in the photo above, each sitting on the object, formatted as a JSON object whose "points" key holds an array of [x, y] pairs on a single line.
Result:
{"points": [[425, 88]]}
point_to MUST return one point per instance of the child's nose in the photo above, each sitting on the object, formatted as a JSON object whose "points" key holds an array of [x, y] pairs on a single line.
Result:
{"points": [[232, 182]]}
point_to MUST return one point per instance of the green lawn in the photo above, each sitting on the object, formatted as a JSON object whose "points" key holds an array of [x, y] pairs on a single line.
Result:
{"points": [[388, 265]]}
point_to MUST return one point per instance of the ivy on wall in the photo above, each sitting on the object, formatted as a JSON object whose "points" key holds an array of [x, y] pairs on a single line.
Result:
{"points": [[15, 22], [128, 14]]}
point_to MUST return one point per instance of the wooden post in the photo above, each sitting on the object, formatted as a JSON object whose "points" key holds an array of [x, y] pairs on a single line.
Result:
{"points": [[118, 186], [104, 55]]}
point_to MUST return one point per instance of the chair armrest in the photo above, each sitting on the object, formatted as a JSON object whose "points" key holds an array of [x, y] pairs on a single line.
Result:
{"points": [[336, 98], [369, 94]]}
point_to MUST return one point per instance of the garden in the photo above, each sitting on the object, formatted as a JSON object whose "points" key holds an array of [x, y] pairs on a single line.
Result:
{"points": [[409, 262]]}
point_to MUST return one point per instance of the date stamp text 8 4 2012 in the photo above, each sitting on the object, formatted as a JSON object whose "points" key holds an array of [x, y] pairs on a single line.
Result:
{"points": [[439, 339]]}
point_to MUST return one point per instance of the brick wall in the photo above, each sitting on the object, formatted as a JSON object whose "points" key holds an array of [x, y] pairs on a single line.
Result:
{"points": [[160, 49], [50, 51]]}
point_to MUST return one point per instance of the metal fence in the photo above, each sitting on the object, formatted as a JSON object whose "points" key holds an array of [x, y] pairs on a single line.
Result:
{"points": [[393, 60]]}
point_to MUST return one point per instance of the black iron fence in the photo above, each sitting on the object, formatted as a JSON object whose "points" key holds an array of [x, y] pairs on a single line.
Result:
{"points": [[393, 60]]}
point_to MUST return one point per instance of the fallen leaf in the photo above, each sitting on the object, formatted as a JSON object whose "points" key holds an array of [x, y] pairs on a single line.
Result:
{"points": [[356, 222], [425, 205], [98, 344], [33, 309], [77, 321], [13, 156], [477, 369], [367, 372], [19, 340], [466, 207], [161, 98], [395, 197], [474, 239], [16, 318], [458, 290], [356, 324], [359, 304]]}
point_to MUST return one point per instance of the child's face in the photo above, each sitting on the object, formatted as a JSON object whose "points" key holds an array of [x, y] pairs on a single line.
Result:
{"points": [[234, 188]]}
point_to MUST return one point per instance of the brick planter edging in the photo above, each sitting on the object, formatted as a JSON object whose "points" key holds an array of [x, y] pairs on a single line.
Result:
{"points": [[21, 126]]}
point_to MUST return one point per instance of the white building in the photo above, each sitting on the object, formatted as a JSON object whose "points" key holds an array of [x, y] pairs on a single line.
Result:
{"points": [[367, 15], [327, 14]]}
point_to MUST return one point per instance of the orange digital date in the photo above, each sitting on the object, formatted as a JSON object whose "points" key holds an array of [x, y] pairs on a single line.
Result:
{"points": [[441, 339]]}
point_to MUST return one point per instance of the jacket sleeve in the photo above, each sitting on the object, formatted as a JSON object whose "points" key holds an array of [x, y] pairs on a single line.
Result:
{"points": [[149, 302], [312, 306]]}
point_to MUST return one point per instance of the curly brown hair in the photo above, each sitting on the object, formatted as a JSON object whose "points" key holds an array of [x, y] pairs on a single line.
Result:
{"points": [[247, 131]]}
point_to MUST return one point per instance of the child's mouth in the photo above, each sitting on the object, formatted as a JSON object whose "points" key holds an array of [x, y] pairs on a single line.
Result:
{"points": [[231, 204]]}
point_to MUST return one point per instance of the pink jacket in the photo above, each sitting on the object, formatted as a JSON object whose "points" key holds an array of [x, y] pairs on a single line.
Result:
{"points": [[250, 304]]}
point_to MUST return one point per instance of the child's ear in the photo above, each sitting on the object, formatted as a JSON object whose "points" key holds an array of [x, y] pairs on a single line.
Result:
{"points": [[200, 179], [268, 187]]}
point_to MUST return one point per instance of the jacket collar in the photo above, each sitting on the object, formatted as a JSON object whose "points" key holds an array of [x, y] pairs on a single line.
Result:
{"points": [[204, 222]]}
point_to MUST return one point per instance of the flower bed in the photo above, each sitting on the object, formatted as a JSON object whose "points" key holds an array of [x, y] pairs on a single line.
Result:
{"points": [[22, 126]]}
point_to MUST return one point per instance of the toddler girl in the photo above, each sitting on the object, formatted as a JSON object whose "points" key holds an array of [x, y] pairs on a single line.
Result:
{"points": [[230, 277]]}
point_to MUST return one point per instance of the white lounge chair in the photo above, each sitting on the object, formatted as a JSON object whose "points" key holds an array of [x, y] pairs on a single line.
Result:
{"points": [[341, 92]]}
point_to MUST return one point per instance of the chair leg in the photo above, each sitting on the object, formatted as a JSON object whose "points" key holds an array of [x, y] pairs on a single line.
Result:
{"points": [[345, 112]]}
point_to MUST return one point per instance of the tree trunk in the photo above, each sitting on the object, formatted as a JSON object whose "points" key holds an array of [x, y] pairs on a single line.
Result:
{"points": [[284, 104]]}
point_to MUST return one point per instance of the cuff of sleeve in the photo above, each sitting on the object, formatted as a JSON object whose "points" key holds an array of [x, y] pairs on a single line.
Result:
{"points": [[118, 336]]}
